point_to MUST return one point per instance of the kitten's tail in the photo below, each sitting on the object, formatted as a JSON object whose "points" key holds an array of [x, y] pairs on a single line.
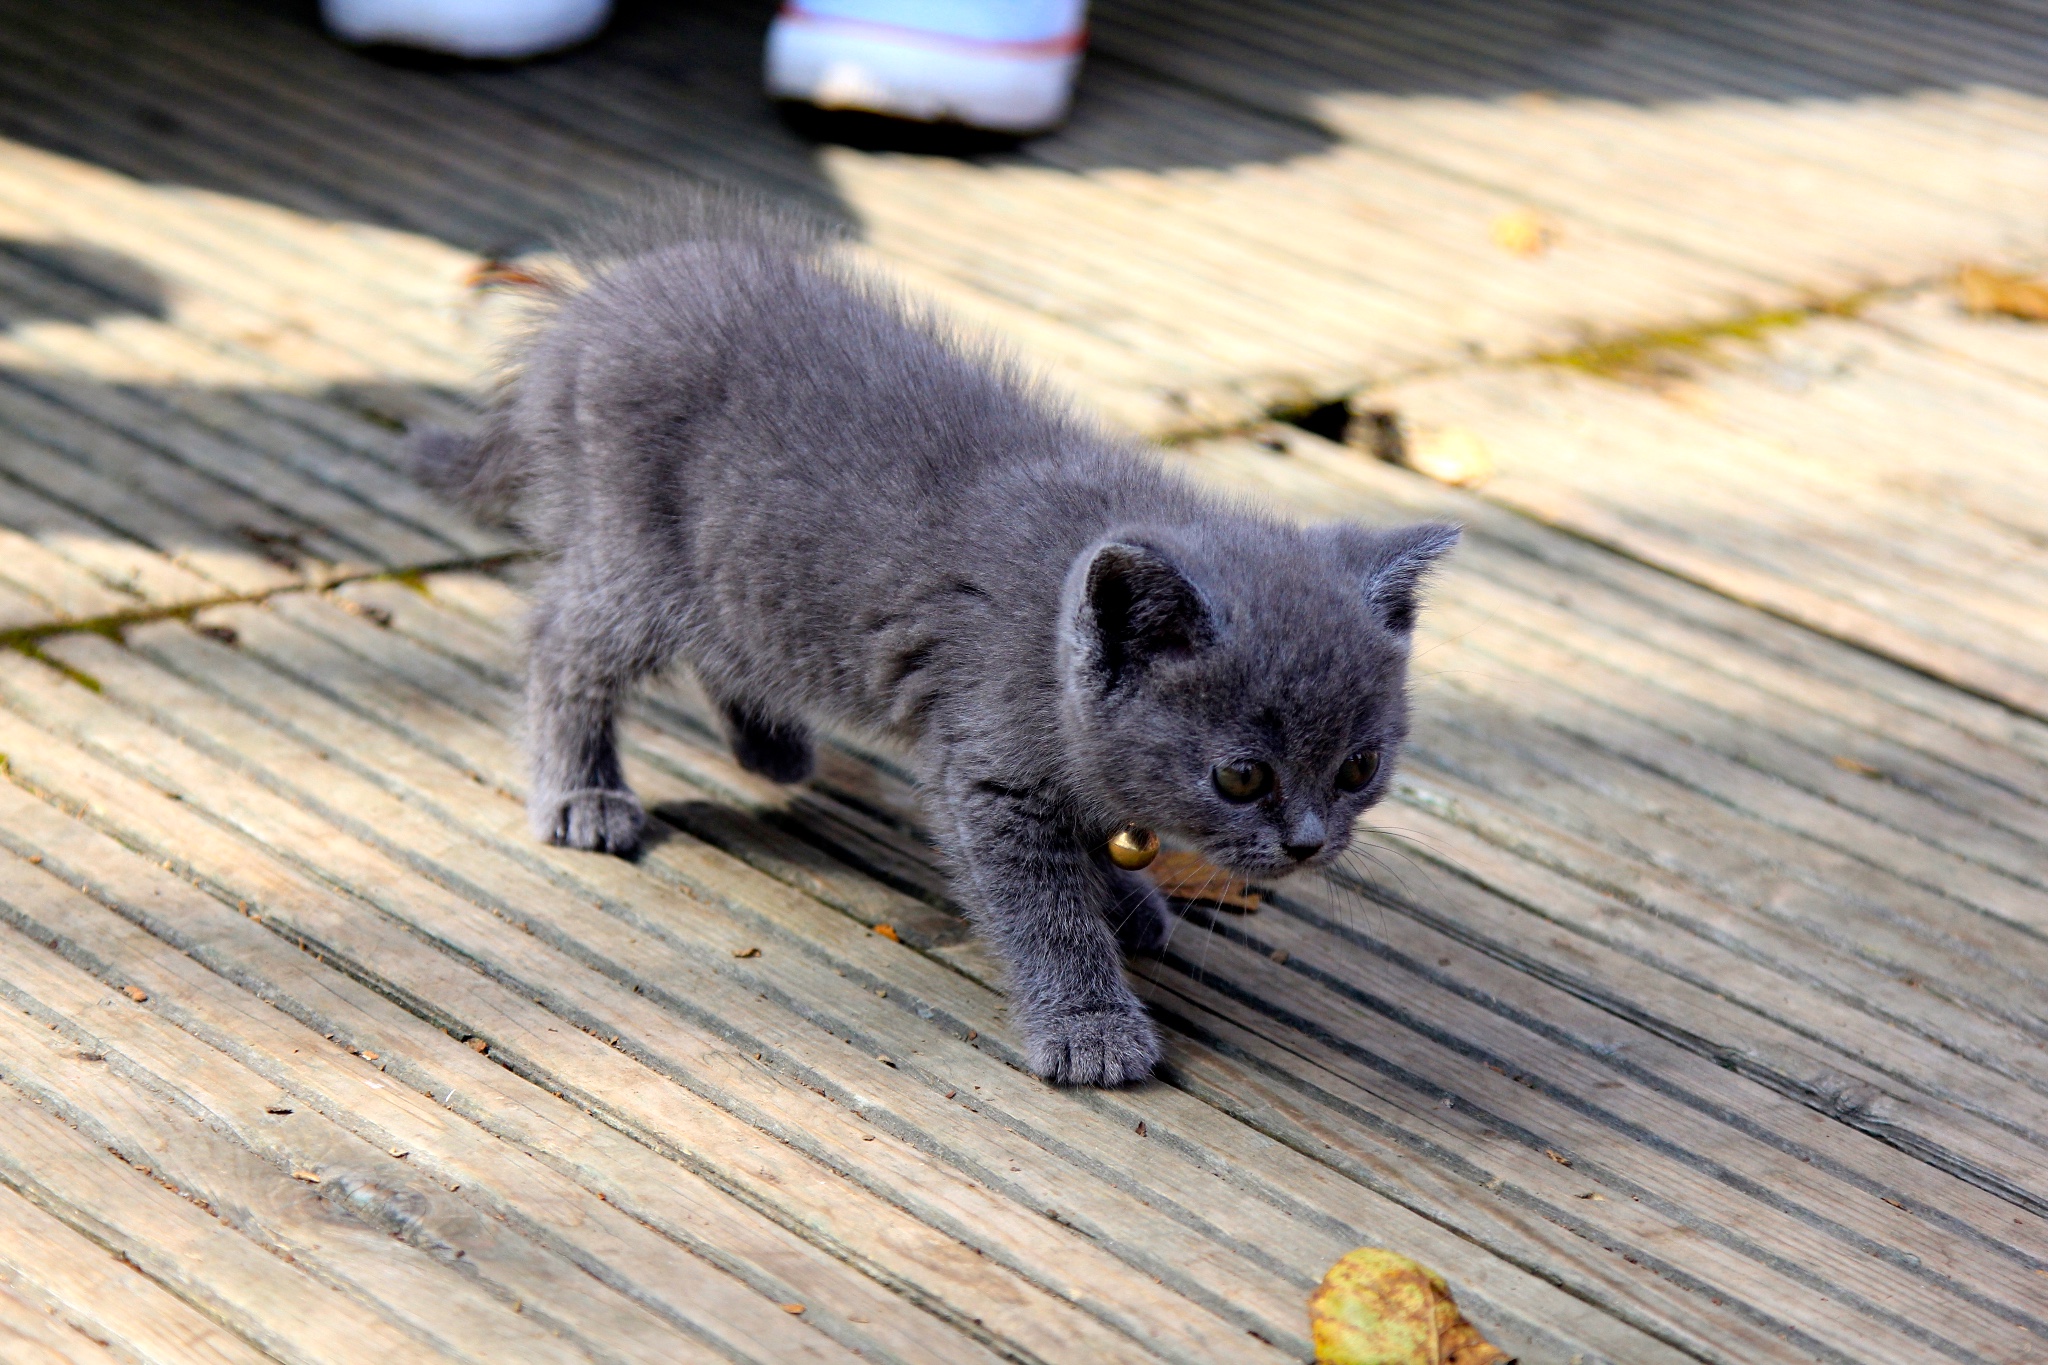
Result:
{"points": [[482, 470]]}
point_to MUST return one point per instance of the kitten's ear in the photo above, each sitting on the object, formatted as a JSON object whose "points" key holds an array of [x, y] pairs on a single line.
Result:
{"points": [[1395, 563], [1137, 606]]}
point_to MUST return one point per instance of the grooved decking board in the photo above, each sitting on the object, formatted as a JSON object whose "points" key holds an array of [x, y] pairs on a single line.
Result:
{"points": [[1684, 1004], [1251, 204], [1830, 1184], [1880, 479]]}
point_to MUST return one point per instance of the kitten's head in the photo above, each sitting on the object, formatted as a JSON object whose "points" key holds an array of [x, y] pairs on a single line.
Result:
{"points": [[1243, 686]]}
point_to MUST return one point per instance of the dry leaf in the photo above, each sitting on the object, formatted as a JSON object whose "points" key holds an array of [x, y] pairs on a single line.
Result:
{"points": [[135, 993], [493, 272], [1191, 877], [375, 615], [479, 1045], [1379, 1308], [1453, 455], [746, 952], [2000, 291], [888, 931], [1523, 232]]}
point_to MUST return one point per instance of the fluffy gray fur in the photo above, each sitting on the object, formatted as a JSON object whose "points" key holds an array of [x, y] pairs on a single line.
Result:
{"points": [[746, 457]]}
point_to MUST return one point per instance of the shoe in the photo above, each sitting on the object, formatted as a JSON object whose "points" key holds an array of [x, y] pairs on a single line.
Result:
{"points": [[483, 29], [1005, 66]]}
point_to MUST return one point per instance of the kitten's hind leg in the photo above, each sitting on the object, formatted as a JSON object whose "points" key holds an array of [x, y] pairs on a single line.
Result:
{"points": [[583, 655], [779, 750]]}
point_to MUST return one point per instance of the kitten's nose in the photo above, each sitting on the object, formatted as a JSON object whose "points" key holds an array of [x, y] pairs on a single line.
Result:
{"points": [[1305, 840]]}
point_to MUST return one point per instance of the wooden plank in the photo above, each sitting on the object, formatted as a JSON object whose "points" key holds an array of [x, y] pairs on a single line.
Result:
{"points": [[1748, 920], [268, 507], [439, 1131], [824, 985], [1508, 754], [103, 1299], [55, 1057], [624, 1173], [204, 561], [172, 1241], [1504, 1105], [1500, 298], [1857, 984], [34, 1335], [566, 139], [358, 523], [1866, 984], [365, 1179], [536, 901], [235, 280], [1926, 784], [44, 544], [1586, 474], [1291, 49], [1787, 931], [1318, 479], [328, 671]]}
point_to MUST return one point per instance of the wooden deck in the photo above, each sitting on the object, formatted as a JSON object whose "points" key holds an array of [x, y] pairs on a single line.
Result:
{"points": [[1691, 1005]]}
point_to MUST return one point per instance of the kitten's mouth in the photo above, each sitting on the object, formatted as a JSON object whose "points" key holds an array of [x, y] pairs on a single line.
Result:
{"points": [[1273, 872], [1278, 868], [1239, 865], [1265, 871]]}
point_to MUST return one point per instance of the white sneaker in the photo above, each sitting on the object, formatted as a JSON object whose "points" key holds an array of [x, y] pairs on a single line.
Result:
{"points": [[500, 29], [1003, 65]]}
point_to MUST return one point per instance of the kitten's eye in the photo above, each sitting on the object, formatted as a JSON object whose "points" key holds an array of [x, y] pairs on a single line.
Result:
{"points": [[1243, 782], [1358, 770]]}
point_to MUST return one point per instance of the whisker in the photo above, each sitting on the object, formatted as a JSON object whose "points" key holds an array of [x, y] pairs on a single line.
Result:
{"points": [[1398, 835], [1357, 890], [1208, 916], [1371, 853]]}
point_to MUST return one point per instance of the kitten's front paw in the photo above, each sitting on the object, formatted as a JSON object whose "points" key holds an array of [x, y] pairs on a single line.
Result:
{"points": [[601, 819], [1097, 1047]]}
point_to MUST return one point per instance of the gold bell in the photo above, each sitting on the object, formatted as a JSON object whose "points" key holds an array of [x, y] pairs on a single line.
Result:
{"points": [[1132, 848]]}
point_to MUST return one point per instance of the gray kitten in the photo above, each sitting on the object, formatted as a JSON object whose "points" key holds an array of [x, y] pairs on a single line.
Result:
{"points": [[748, 457]]}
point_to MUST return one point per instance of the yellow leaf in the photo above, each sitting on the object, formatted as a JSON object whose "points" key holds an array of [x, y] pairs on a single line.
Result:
{"points": [[1998, 291], [1379, 1308], [1523, 232], [1191, 877], [1453, 455]]}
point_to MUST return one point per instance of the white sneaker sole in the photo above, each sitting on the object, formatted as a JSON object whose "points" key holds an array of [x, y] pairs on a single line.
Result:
{"points": [[497, 29], [1023, 87]]}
